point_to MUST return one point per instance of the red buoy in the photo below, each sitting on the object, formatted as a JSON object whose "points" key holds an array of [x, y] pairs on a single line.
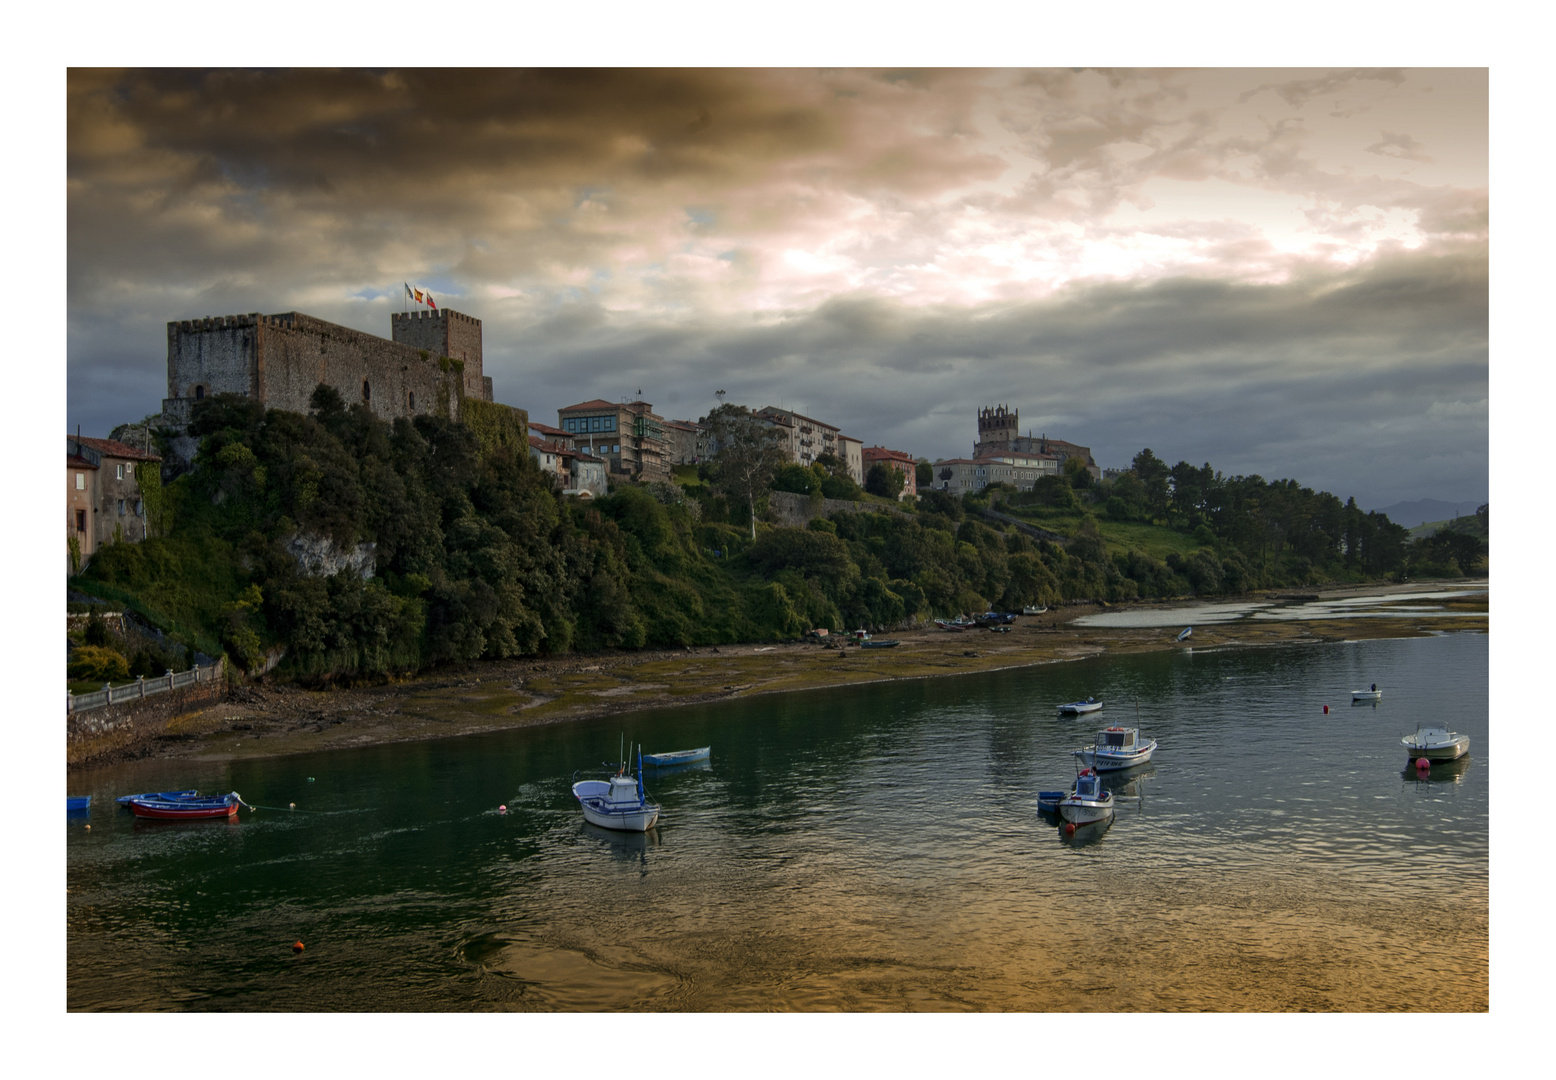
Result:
{"points": [[297, 946], [1069, 829], [502, 809], [1422, 763], [1326, 710]]}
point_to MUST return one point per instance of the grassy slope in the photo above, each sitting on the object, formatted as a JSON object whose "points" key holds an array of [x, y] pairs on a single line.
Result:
{"points": [[1120, 536]]}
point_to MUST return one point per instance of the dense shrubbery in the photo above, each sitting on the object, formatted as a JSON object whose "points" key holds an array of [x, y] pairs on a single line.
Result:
{"points": [[477, 556]]}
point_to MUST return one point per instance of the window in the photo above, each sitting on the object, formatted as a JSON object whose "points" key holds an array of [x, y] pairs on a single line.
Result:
{"points": [[121, 473], [596, 424], [568, 424], [199, 393], [610, 423], [616, 449], [140, 508], [80, 481], [81, 521], [121, 507], [367, 391], [411, 399]]}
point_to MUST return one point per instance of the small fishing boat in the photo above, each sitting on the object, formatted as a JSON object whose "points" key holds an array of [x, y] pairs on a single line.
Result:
{"points": [[1034, 609], [1048, 801], [999, 629], [1436, 744], [677, 757], [1367, 695], [1117, 748], [74, 804], [880, 643], [1087, 801], [995, 618], [216, 806], [961, 622], [617, 803], [1076, 708], [1188, 632], [158, 796]]}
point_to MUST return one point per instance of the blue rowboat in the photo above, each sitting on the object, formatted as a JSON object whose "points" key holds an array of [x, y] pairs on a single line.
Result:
{"points": [[677, 757], [158, 796], [74, 803]]}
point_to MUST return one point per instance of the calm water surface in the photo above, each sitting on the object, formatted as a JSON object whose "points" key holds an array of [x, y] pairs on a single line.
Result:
{"points": [[869, 849]]}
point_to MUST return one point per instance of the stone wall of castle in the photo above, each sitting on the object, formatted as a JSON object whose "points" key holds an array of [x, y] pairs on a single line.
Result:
{"points": [[280, 359]]}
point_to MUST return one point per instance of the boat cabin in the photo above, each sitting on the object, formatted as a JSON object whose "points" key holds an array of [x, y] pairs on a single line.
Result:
{"points": [[1116, 738], [623, 791], [1088, 785]]}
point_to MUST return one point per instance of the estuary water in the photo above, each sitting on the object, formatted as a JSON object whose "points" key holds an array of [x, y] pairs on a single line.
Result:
{"points": [[874, 848]]}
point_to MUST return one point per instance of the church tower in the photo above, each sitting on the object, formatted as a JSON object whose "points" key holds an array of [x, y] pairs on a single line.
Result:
{"points": [[998, 427]]}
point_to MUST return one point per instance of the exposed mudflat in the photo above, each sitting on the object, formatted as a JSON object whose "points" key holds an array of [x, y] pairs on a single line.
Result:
{"points": [[267, 719]]}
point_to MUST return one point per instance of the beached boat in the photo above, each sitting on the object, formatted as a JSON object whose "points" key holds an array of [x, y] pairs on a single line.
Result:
{"points": [[1117, 748], [880, 643], [1367, 695], [1188, 632], [76, 803], [158, 796], [216, 806], [1087, 801], [1034, 609], [995, 618], [677, 757], [860, 634], [1436, 744], [617, 803], [959, 623], [1076, 708]]}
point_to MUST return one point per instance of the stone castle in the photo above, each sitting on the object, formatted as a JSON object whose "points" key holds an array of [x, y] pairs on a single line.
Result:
{"points": [[999, 433], [431, 365]]}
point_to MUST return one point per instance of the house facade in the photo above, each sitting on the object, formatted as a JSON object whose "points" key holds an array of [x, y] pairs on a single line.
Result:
{"points": [[629, 437], [103, 499], [686, 442], [804, 439], [895, 459], [850, 451], [961, 475]]}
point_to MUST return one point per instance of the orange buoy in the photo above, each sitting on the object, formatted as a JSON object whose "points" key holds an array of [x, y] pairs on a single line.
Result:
{"points": [[297, 946], [1069, 829]]}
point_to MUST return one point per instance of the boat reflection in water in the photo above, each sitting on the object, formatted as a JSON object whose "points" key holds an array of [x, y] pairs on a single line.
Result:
{"points": [[1083, 835], [1130, 785], [624, 847], [1440, 772]]}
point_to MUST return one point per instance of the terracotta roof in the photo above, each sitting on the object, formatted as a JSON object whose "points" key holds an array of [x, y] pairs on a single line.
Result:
{"points": [[541, 444], [850, 438], [595, 404], [114, 448], [545, 429], [73, 462]]}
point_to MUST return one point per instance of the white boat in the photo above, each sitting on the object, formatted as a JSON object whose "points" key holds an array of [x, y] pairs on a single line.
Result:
{"points": [[1436, 744], [1188, 632], [1087, 801], [1367, 695], [1117, 748], [617, 803], [678, 757], [1034, 609], [1076, 708]]}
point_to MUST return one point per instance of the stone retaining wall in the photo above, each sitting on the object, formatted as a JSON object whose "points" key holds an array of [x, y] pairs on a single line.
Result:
{"points": [[123, 724]]}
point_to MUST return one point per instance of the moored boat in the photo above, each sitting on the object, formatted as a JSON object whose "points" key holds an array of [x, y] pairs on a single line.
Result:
{"points": [[880, 643], [1117, 748], [1076, 708], [1436, 744], [957, 624], [1034, 609], [76, 803], [160, 796], [1367, 695], [187, 809], [1087, 801], [677, 757], [617, 803]]}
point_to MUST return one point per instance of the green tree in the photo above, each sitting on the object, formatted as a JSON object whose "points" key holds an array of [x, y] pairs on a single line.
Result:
{"points": [[1152, 473], [749, 454], [884, 480], [923, 474]]}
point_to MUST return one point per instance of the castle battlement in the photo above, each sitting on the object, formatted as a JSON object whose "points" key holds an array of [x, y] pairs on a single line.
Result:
{"points": [[442, 313]]}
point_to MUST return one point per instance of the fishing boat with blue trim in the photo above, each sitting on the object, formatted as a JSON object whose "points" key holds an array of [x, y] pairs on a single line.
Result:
{"points": [[1117, 748], [677, 757], [618, 803], [1088, 800], [1076, 708]]}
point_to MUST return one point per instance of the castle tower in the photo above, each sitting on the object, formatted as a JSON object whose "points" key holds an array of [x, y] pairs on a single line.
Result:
{"points": [[997, 426], [446, 333]]}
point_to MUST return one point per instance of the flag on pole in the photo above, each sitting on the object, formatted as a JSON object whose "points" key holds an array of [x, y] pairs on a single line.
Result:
{"points": [[431, 303], [408, 293]]}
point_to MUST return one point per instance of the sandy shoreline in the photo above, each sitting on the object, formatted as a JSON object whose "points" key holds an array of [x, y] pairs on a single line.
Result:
{"points": [[265, 721]]}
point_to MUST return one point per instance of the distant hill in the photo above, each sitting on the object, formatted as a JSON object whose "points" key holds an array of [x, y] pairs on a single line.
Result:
{"points": [[1413, 514]]}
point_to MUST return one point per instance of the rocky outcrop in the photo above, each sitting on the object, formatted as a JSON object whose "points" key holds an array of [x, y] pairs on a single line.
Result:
{"points": [[319, 556]]}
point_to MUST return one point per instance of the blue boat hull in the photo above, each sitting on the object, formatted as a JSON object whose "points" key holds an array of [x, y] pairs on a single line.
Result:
{"points": [[678, 757], [77, 803]]}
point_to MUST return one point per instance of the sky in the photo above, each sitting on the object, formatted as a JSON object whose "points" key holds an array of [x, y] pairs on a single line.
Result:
{"points": [[1276, 271]]}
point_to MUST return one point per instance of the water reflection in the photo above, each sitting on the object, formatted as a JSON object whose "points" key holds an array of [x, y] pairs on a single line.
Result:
{"points": [[1085, 835], [1442, 772]]}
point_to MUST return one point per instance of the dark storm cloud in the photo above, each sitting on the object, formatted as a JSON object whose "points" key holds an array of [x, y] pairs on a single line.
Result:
{"points": [[1130, 257]]}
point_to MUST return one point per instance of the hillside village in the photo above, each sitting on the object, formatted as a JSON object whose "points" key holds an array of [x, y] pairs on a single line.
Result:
{"points": [[432, 364]]}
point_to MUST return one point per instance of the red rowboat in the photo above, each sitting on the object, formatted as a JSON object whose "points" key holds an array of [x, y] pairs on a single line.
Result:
{"points": [[221, 806]]}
